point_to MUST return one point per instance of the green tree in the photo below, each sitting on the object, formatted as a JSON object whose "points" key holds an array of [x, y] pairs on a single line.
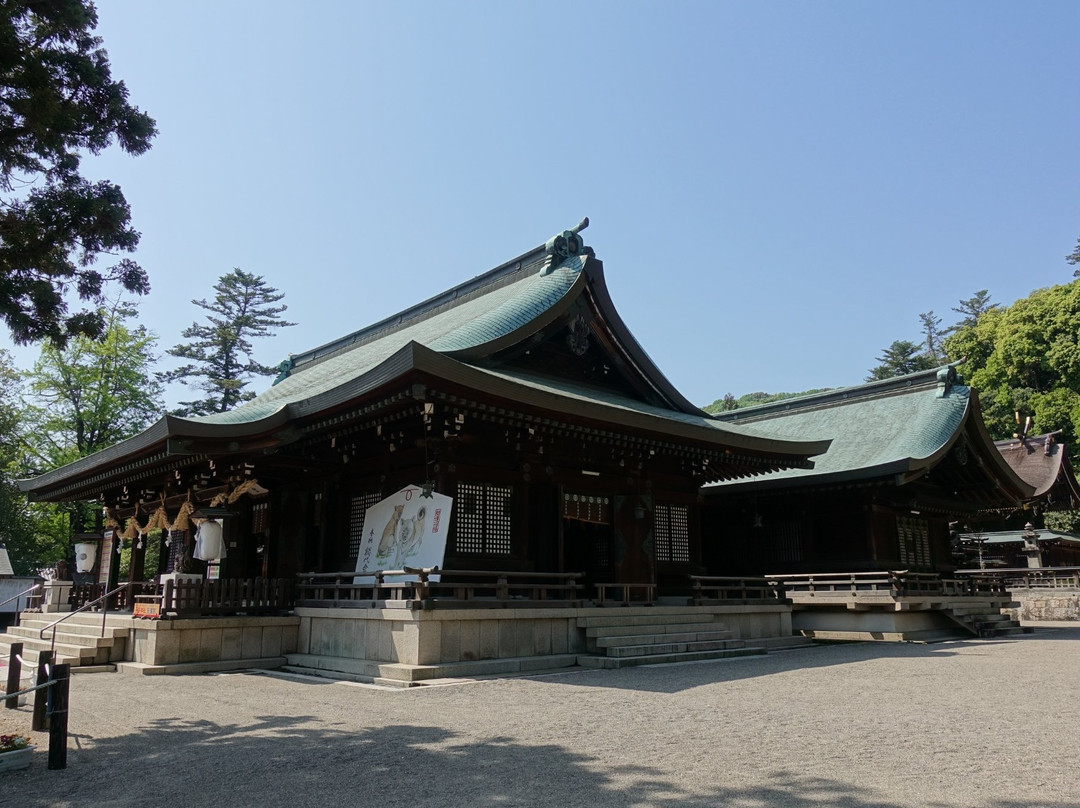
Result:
{"points": [[91, 394], [87, 396], [35, 534], [220, 350], [899, 359], [973, 308], [1074, 258], [1026, 359], [932, 337], [58, 101]]}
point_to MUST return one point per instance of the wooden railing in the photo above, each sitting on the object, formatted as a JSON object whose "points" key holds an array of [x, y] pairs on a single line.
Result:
{"points": [[712, 589], [888, 584], [229, 596], [1026, 577], [359, 590], [122, 600], [432, 588]]}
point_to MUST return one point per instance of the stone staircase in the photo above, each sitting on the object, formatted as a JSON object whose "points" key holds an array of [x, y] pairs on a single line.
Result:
{"points": [[79, 640], [986, 624], [620, 641]]}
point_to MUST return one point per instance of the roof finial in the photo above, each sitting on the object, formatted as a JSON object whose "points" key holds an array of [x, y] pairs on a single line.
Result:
{"points": [[564, 245]]}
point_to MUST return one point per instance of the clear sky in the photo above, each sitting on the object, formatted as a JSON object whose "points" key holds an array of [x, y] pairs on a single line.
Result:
{"points": [[777, 189]]}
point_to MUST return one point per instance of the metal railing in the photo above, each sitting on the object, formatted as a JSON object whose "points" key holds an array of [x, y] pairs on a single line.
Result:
{"points": [[17, 597], [104, 600]]}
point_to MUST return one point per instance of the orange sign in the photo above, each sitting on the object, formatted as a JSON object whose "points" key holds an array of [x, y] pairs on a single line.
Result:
{"points": [[150, 609]]}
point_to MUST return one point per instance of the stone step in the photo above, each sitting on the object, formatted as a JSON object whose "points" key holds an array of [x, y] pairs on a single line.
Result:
{"points": [[91, 618], [65, 653], [67, 638], [653, 628], [659, 639], [330, 675], [662, 649], [606, 662], [653, 618], [70, 627]]}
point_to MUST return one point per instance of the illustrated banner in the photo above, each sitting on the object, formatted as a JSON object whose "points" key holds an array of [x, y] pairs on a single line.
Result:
{"points": [[405, 529]]}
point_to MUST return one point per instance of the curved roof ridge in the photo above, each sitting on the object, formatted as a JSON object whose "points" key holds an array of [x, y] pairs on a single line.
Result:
{"points": [[944, 375], [481, 284]]}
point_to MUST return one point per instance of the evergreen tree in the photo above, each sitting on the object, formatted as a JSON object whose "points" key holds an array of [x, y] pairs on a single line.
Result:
{"points": [[58, 100], [932, 336], [972, 309], [1074, 258], [899, 359], [220, 350]]}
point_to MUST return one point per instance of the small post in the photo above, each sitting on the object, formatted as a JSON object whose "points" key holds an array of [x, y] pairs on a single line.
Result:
{"points": [[58, 716], [14, 676], [40, 721]]}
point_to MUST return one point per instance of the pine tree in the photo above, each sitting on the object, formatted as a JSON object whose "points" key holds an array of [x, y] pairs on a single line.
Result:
{"points": [[899, 359], [220, 350], [58, 101]]}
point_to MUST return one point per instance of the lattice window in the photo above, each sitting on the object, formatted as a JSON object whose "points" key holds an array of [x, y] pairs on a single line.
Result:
{"points": [[671, 532], [914, 539], [483, 517], [358, 506]]}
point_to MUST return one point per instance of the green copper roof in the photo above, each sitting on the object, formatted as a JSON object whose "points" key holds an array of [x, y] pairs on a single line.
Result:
{"points": [[484, 315], [876, 429]]}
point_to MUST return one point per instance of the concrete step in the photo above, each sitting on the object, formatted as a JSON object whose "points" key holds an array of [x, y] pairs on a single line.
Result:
{"points": [[652, 628], [660, 639], [605, 662], [663, 649]]}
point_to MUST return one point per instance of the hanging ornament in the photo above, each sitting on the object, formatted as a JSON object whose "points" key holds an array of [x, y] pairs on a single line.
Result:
{"points": [[183, 517], [139, 546]]}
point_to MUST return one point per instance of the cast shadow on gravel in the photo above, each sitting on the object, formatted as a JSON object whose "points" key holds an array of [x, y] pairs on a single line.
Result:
{"points": [[674, 678], [284, 761]]}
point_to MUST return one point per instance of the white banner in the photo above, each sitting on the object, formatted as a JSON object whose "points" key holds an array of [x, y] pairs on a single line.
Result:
{"points": [[405, 529]]}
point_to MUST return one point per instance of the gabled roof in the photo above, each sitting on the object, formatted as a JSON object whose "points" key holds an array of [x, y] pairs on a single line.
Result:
{"points": [[1043, 463], [485, 334], [895, 429]]}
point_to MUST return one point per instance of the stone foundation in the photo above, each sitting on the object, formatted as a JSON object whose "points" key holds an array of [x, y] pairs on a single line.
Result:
{"points": [[207, 640], [1045, 603]]}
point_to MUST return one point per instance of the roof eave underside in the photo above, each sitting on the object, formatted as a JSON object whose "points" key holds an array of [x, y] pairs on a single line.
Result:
{"points": [[417, 358]]}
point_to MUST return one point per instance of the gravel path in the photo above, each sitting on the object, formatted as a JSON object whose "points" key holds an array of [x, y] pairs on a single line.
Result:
{"points": [[972, 724]]}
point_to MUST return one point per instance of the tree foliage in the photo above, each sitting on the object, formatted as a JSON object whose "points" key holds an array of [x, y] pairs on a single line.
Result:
{"points": [[220, 349], [58, 101], [899, 359], [1074, 258], [91, 394], [1026, 358]]}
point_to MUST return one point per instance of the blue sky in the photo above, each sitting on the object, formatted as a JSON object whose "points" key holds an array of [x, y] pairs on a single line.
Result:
{"points": [[776, 189]]}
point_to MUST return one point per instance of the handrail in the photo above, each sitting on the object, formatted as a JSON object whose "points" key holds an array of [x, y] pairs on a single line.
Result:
{"points": [[83, 608], [16, 597]]}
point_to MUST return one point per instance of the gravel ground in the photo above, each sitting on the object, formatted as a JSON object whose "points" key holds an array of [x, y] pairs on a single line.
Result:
{"points": [[972, 724]]}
